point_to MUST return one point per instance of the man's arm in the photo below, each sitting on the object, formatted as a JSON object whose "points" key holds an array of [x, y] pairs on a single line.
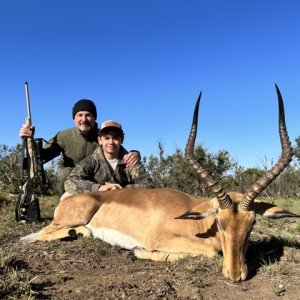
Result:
{"points": [[139, 177], [131, 158], [81, 179], [52, 149]]}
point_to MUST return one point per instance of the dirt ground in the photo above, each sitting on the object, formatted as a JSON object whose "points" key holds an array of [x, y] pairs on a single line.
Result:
{"points": [[87, 268]]}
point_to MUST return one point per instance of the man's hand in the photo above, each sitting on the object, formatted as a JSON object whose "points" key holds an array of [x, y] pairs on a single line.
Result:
{"points": [[109, 186], [131, 159], [26, 131]]}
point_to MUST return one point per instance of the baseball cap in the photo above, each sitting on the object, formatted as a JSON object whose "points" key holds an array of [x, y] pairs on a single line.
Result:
{"points": [[110, 124]]}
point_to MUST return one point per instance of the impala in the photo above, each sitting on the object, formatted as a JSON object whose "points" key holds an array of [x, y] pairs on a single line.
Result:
{"points": [[165, 224]]}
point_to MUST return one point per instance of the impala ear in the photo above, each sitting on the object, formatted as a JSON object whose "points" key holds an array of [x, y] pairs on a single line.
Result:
{"points": [[271, 211], [194, 215]]}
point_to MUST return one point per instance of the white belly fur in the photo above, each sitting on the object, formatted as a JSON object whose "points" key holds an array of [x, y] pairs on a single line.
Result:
{"points": [[114, 237]]}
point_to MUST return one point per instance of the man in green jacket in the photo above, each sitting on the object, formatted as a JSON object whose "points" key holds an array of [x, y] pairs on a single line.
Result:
{"points": [[76, 143], [105, 169]]}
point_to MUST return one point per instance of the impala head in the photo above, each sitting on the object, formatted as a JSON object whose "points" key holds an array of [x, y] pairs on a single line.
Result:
{"points": [[235, 216]]}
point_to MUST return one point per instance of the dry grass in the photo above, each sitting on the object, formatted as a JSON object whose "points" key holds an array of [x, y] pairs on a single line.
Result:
{"points": [[88, 268]]}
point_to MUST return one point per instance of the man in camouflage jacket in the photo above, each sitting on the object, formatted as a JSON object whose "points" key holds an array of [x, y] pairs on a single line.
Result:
{"points": [[104, 169]]}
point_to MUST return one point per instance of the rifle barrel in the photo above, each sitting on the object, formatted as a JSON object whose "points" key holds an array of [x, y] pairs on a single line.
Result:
{"points": [[29, 121]]}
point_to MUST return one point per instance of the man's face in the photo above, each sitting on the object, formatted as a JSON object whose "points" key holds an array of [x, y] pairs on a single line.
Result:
{"points": [[84, 121], [110, 144]]}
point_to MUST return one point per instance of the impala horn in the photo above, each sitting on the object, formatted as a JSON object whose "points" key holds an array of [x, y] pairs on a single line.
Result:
{"points": [[215, 187], [287, 153]]}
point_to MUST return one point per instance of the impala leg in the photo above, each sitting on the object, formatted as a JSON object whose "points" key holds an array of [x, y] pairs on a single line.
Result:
{"points": [[76, 210], [194, 247], [158, 255], [55, 232], [176, 248]]}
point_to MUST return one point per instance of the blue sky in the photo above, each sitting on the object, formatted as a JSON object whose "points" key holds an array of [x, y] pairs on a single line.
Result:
{"points": [[144, 63]]}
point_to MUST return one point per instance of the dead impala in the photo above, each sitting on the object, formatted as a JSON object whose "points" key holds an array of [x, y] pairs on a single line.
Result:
{"points": [[165, 224]]}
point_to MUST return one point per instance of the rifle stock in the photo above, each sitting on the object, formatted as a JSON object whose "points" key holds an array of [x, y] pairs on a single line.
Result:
{"points": [[32, 173]]}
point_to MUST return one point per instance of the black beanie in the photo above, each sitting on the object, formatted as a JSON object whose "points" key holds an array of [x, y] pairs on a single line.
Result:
{"points": [[84, 105]]}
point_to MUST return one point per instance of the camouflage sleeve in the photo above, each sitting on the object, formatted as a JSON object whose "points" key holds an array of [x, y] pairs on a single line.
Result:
{"points": [[138, 177], [81, 178]]}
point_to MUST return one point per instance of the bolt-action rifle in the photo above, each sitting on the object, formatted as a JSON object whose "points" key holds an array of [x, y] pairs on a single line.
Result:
{"points": [[33, 179]]}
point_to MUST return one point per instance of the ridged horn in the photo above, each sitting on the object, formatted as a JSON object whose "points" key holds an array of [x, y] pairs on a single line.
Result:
{"points": [[215, 187], [286, 157]]}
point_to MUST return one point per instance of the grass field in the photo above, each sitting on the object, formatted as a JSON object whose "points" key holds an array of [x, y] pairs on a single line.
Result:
{"points": [[91, 269]]}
